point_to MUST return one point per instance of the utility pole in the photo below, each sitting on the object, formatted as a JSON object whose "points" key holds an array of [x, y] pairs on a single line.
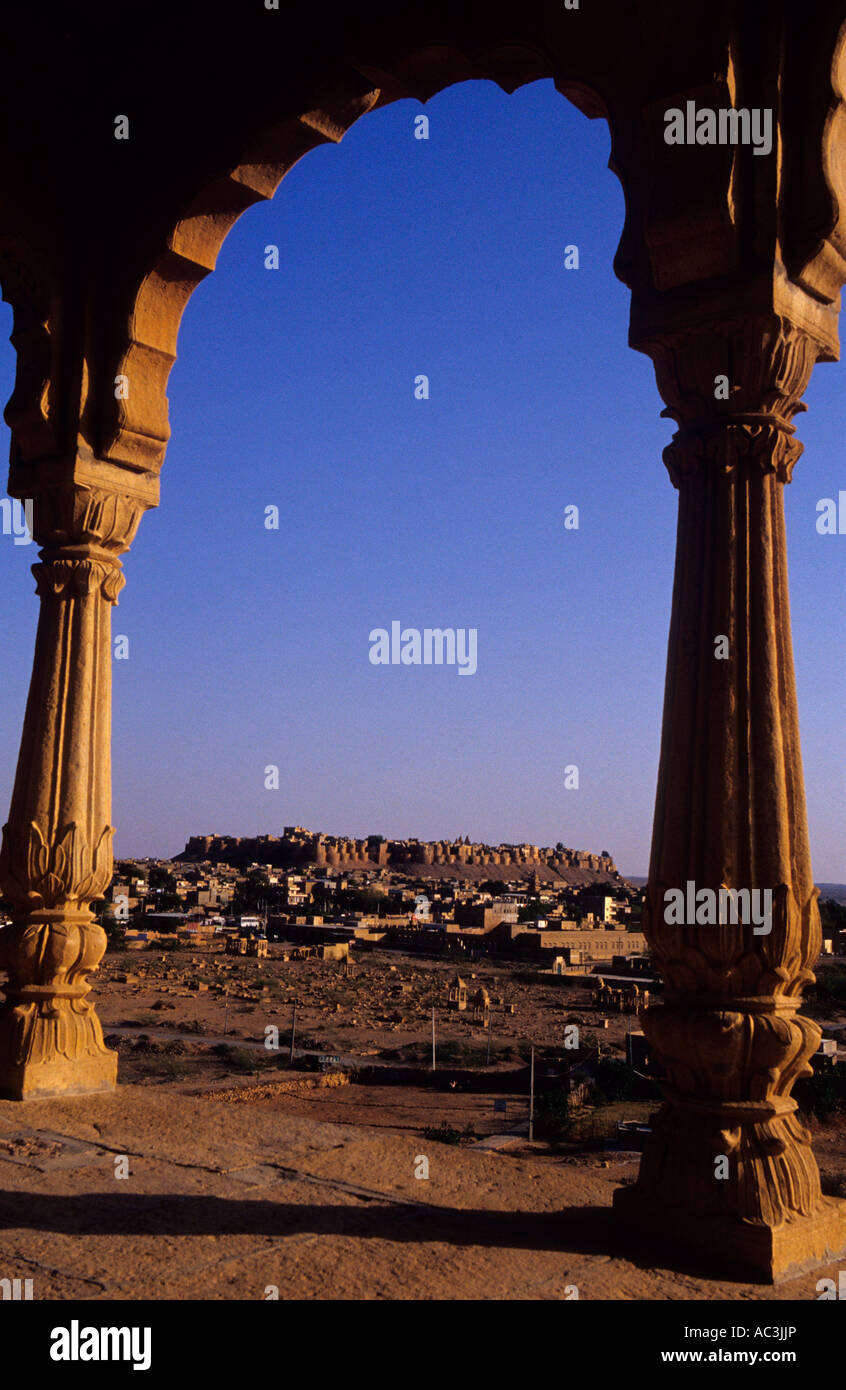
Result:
{"points": [[532, 1098], [490, 1021], [293, 1031], [434, 1064]]}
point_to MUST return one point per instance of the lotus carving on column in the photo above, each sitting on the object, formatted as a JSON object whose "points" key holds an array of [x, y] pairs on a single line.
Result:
{"points": [[38, 873], [727, 960]]}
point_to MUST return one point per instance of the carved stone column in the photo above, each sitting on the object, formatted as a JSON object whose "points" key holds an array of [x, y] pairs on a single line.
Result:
{"points": [[729, 1167], [56, 855]]}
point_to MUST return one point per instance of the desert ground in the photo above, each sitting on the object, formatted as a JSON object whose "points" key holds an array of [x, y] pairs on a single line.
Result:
{"points": [[216, 1170]]}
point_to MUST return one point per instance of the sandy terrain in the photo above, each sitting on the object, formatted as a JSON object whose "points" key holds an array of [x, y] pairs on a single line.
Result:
{"points": [[242, 1173]]}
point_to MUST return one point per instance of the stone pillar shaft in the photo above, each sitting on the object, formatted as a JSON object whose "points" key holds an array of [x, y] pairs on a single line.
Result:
{"points": [[729, 1167], [56, 855]]}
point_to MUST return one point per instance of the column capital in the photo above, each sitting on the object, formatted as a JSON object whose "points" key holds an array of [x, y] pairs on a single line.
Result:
{"points": [[74, 521], [734, 387], [79, 576]]}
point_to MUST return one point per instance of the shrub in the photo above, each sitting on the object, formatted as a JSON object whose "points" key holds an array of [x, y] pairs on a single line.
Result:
{"points": [[614, 1080], [442, 1133], [553, 1120], [237, 1058]]}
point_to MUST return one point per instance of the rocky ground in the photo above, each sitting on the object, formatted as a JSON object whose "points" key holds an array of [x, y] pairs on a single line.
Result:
{"points": [[215, 1171], [384, 1011]]}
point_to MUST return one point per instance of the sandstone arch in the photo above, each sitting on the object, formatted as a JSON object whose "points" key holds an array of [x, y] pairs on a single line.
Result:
{"points": [[197, 235]]}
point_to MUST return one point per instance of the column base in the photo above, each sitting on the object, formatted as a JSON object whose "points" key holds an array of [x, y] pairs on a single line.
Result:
{"points": [[767, 1255], [59, 1077]]}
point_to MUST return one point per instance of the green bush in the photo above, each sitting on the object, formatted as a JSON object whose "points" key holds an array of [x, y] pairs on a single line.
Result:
{"points": [[553, 1120], [442, 1133], [614, 1080], [237, 1059]]}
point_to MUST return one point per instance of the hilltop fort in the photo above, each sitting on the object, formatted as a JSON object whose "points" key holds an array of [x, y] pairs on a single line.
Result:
{"points": [[423, 858]]}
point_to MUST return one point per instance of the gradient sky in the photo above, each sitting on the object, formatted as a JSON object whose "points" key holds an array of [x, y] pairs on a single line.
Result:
{"points": [[294, 387]]}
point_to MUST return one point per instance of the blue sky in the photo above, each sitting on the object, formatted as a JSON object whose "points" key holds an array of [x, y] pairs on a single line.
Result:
{"points": [[294, 388]]}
